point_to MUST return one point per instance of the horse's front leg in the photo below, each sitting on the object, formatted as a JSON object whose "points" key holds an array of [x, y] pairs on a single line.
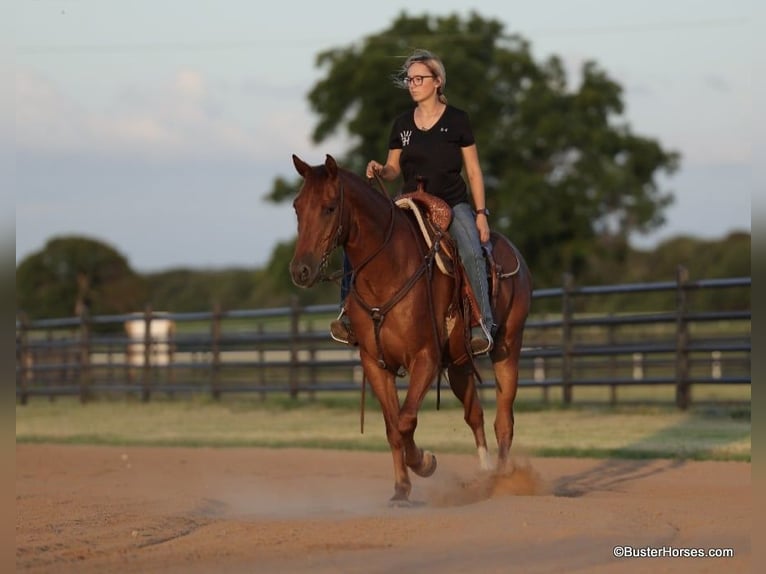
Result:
{"points": [[423, 371], [383, 385]]}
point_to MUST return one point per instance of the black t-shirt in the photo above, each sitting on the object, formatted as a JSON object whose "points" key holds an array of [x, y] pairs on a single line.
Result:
{"points": [[434, 154]]}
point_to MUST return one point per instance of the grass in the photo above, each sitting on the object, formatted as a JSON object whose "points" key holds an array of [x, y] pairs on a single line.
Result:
{"points": [[642, 431]]}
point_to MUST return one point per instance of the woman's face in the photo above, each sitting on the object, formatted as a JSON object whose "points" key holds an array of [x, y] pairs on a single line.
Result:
{"points": [[430, 83]]}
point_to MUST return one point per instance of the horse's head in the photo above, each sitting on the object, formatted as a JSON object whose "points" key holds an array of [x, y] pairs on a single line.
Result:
{"points": [[318, 207]]}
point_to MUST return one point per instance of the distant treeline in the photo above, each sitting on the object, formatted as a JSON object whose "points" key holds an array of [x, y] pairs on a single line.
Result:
{"points": [[72, 274]]}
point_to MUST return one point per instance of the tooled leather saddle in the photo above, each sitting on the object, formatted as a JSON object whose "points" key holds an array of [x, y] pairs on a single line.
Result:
{"points": [[433, 216]]}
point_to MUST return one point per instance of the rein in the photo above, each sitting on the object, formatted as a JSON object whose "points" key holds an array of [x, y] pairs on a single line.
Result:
{"points": [[381, 185], [378, 313], [335, 276]]}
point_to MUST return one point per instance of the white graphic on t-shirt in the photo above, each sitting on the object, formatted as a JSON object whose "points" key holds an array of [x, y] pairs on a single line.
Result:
{"points": [[405, 135]]}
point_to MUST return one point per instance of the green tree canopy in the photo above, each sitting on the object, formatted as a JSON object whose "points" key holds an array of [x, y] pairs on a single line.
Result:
{"points": [[72, 272], [562, 168]]}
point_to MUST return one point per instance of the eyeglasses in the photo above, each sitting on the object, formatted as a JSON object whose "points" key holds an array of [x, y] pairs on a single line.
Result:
{"points": [[415, 80]]}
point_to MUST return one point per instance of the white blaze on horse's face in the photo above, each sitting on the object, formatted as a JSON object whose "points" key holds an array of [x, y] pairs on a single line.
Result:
{"points": [[316, 208]]}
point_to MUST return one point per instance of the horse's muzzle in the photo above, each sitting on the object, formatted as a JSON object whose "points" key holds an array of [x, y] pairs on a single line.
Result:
{"points": [[302, 274]]}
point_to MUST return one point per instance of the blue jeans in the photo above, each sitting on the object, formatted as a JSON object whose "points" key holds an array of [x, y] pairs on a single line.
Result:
{"points": [[465, 233], [345, 281]]}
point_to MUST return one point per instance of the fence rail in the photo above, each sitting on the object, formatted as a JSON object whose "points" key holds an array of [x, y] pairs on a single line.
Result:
{"points": [[279, 350]]}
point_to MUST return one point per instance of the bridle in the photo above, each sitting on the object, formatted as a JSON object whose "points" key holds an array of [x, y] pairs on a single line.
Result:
{"points": [[336, 240], [378, 313]]}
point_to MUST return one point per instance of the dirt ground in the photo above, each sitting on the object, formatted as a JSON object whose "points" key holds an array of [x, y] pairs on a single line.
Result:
{"points": [[105, 509]]}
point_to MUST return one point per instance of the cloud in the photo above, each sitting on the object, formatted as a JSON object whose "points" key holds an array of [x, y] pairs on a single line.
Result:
{"points": [[190, 84], [182, 119]]}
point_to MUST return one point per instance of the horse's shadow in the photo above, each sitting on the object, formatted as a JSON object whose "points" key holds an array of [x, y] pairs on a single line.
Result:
{"points": [[524, 480], [609, 474]]}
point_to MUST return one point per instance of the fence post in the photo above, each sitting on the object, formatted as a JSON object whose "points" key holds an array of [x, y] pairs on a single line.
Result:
{"points": [[683, 388], [295, 311], [716, 366], [261, 361], [171, 349], [612, 363], [215, 343], [146, 369], [566, 334], [23, 370], [538, 375], [313, 374], [110, 362], [84, 355], [64, 358], [638, 367], [540, 372]]}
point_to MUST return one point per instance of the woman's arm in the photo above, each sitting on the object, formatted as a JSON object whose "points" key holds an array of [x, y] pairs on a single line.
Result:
{"points": [[391, 170], [476, 183]]}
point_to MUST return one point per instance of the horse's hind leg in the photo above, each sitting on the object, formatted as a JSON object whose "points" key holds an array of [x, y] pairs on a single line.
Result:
{"points": [[463, 384], [507, 376], [515, 298]]}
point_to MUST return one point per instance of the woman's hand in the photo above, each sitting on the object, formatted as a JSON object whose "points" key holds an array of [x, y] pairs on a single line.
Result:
{"points": [[372, 168], [482, 225]]}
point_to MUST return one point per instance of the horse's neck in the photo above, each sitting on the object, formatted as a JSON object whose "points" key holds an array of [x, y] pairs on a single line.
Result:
{"points": [[380, 250]]}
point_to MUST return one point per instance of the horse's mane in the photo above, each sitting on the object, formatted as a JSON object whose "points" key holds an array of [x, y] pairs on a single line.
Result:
{"points": [[363, 186]]}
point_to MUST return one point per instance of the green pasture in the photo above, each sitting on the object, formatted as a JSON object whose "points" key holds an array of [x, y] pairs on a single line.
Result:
{"points": [[721, 432]]}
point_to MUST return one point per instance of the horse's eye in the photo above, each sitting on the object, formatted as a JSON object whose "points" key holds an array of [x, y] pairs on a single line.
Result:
{"points": [[328, 210]]}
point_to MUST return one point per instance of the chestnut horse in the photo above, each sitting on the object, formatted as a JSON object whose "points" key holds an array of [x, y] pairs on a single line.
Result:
{"points": [[403, 311]]}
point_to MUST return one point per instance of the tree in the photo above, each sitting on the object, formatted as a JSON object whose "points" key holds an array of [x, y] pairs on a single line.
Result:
{"points": [[561, 172], [72, 274]]}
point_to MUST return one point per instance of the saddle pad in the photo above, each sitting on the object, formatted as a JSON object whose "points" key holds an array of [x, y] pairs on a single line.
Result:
{"points": [[405, 202]]}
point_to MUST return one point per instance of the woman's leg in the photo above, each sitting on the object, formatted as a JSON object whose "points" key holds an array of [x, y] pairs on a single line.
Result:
{"points": [[463, 230], [345, 281], [340, 328]]}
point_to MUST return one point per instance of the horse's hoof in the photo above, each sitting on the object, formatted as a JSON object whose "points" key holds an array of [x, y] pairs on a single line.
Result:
{"points": [[399, 503], [399, 500], [427, 466], [406, 503]]}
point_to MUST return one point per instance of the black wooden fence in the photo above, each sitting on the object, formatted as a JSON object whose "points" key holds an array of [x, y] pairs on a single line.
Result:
{"points": [[287, 350]]}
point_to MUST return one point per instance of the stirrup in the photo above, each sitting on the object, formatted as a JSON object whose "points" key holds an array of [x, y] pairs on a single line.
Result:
{"points": [[341, 331], [481, 340]]}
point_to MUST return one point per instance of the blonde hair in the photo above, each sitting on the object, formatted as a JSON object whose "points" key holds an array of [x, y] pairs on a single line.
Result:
{"points": [[433, 63]]}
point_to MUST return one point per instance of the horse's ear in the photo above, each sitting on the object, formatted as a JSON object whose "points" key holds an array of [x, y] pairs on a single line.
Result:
{"points": [[301, 166], [332, 167]]}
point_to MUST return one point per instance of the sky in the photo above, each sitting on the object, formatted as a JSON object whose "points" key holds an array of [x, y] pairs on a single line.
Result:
{"points": [[158, 127]]}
